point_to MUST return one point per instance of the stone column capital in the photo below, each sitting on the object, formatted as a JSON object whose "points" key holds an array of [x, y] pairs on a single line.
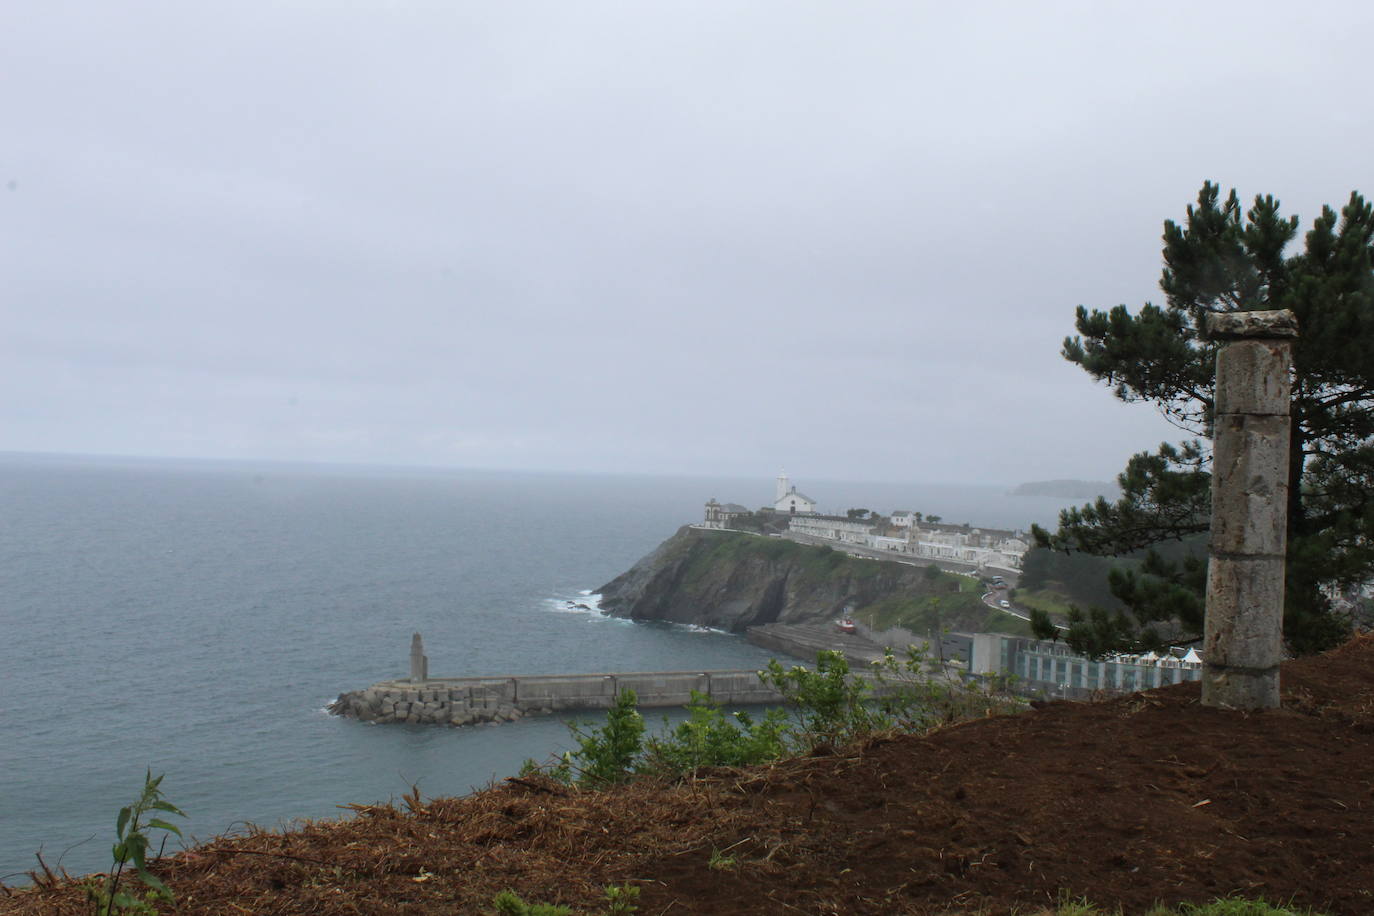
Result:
{"points": [[1277, 324]]}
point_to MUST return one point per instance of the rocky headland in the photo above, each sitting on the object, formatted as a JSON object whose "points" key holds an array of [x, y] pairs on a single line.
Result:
{"points": [[734, 581]]}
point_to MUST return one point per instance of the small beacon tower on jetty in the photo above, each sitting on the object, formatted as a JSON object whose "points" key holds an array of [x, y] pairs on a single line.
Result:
{"points": [[423, 700], [419, 661]]}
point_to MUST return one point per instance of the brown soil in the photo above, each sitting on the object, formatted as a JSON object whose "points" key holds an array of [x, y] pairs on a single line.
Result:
{"points": [[1127, 801]]}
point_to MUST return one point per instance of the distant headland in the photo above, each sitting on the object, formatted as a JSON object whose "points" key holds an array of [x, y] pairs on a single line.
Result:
{"points": [[1068, 489]]}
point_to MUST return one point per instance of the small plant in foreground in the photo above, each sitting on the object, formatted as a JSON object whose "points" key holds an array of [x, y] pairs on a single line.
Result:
{"points": [[1236, 906], [508, 903], [1228, 906], [131, 833], [620, 899], [719, 861]]}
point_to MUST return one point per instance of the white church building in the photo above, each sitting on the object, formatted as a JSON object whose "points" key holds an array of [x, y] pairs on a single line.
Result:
{"points": [[790, 501]]}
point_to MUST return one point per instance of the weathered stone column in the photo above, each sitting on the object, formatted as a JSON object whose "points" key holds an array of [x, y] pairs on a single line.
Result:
{"points": [[419, 662], [1244, 623]]}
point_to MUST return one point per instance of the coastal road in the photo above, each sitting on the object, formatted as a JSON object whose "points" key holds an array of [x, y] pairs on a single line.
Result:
{"points": [[993, 600]]}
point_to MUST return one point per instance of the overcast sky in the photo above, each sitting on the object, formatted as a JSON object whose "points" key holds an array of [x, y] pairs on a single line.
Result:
{"points": [[684, 237]]}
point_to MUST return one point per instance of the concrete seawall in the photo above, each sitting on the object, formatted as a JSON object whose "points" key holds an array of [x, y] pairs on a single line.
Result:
{"points": [[477, 700]]}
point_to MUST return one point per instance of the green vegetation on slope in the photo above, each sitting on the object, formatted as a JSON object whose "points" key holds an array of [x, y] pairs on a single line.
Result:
{"points": [[1070, 578], [820, 563], [1054, 603], [732, 579], [963, 611], [935, 601]]}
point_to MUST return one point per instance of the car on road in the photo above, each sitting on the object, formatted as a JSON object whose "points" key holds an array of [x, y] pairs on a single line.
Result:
{"points": [[1004, 603]]}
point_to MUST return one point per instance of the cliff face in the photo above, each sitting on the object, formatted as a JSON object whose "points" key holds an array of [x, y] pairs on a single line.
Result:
{"points": [[732, 581]]}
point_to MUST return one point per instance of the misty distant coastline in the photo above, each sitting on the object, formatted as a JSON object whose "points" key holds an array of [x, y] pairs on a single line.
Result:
{"points": [[1067, 489]]}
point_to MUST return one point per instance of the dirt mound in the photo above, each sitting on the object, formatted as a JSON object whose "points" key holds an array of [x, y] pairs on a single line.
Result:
{"points": [[1127, 801]]}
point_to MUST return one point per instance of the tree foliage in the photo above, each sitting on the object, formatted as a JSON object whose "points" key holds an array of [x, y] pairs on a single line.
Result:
{"points": [[1077, 578], [1042, 625], [1222, 259]]}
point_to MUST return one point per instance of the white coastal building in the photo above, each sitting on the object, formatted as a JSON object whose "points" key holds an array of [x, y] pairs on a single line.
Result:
{"points": [[720, 515], [788, 500], [834, 528]]}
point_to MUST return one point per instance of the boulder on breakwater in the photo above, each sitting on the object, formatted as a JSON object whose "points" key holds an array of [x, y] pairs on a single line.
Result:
{"points": [[431, 704]]}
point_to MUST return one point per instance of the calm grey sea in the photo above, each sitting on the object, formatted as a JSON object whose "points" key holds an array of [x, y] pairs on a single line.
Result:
{"points": [[195, 617]]}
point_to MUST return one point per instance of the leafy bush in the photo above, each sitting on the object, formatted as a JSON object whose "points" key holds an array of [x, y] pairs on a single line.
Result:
{"points": [[604, 755], [828, 705], [710, 737]]}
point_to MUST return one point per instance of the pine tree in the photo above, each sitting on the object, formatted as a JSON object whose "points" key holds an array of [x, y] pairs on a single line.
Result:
{"points": [[1223, 259]]}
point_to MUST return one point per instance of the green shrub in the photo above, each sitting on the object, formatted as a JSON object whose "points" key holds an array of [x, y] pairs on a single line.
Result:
{"points": [[131, 847], [606, 755], [910, 694], [828, 705], [710, 737]]}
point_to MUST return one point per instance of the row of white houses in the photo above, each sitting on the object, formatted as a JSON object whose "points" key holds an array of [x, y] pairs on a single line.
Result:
{"points": [[963, 544], [949, 543]]}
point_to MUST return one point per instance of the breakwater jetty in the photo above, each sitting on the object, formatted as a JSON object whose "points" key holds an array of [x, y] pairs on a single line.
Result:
{"points": [[420, 699]]}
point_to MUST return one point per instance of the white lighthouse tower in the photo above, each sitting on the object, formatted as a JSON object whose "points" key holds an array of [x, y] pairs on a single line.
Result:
{"points": [[782, 486]]}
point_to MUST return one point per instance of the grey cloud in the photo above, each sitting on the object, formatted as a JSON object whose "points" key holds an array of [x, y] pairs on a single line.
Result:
{"points": [[690, 237]]}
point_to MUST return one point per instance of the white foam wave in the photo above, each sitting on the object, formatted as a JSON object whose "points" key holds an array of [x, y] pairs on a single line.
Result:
{"points": [[584, 602], [588, 603], [697, 628]]}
